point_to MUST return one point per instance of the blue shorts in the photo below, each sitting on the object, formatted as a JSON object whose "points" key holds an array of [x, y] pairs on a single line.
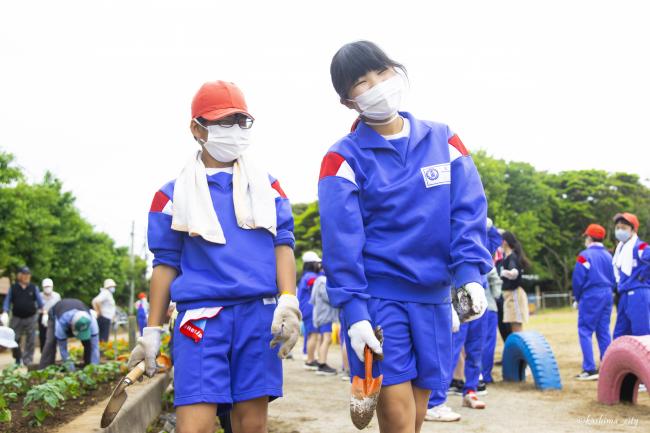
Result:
{"points": [[417, 344], [311, 329], [233, 362]]}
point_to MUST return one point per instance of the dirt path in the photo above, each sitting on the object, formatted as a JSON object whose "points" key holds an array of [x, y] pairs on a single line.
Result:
{"points": [[317, 404]]}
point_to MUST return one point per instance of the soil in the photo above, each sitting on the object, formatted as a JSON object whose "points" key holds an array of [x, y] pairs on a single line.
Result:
{"points": [[62, 415], [318, 404]]}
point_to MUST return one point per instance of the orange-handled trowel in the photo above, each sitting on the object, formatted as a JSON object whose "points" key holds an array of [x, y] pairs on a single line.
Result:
{"points": [[365, 392], [119, 395]]}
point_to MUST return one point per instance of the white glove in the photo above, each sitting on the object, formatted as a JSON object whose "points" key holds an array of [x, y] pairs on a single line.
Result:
{"points": [[44, 320], [455, 321], [4, 318], [286, 324], [146, 348], [477, 294], [490, 223], [362, 335], [575, 305], [510, 274]]}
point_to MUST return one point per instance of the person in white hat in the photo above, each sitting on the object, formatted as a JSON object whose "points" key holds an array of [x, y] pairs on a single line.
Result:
{"points": [[7, 338], [104, 305], [50, 297], [310, 270]]}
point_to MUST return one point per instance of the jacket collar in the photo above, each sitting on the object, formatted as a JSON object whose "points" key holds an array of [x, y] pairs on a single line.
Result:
{"points": [[368, 138]]}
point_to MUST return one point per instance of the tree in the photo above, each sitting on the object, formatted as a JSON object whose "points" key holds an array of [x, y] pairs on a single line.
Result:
{"points": [[41, 227]]}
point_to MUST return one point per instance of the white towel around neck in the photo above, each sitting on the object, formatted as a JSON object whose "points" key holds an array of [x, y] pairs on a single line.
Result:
{"points": [[624, 255], [253, 199]]}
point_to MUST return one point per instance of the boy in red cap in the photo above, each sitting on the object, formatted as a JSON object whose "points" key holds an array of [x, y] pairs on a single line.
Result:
{"points": [[593, 284], [632, 270], [222, 239]]}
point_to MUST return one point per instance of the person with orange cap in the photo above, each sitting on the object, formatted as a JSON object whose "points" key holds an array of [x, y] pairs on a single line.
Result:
{"points": [[142, 311], [593, 285], [632, 271], [222, 238]]}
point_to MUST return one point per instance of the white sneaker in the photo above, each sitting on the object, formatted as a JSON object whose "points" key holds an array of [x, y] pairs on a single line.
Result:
{"points": [[441, 413]]}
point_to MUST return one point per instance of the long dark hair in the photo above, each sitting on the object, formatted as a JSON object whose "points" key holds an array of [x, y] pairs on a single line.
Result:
{"points": [[515, 245], [356, 59]]}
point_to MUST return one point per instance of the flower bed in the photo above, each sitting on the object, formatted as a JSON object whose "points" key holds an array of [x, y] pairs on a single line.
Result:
{"points": [[38, 400]]}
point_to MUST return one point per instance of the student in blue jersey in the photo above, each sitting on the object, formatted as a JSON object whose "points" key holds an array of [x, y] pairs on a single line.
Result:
{"points": [[310, 269], [222, 239], [403, 218], [632, 271], [593, 282]]}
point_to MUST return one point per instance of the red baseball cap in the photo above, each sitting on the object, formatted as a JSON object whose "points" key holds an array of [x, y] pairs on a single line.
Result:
{"points": [[142, 295], [595, 231], [218, 99], [628, 217]]}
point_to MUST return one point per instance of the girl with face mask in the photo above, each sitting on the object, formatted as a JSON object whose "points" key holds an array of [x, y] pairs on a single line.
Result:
{"points": [[632, 271], [222, 239], [403, 221]]}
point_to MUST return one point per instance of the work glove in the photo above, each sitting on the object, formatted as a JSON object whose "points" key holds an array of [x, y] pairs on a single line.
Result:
{"points": [[470, 302], [44, 320], [575, 305], [490, 223], [146, 349], [455, 321], [4, 318], [362, 335], [286, 324]]}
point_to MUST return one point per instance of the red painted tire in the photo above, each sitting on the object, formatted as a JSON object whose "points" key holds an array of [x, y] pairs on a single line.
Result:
{"points": [[625, 365]]}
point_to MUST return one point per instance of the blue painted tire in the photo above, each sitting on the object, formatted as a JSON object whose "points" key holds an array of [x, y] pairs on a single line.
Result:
{"points": [[530, 349]]}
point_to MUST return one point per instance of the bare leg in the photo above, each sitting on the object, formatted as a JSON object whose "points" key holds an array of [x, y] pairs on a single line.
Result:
{"points": [[459, 371], [250, 416], [517, 327], [396, 409], [196, 418], [326, 339], [312, 344], [421, 397], [344, 356]]}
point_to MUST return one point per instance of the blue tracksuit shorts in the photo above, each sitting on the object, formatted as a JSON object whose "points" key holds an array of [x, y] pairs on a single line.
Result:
{"points": [[417, 343], [633, 315], [233, 362]]}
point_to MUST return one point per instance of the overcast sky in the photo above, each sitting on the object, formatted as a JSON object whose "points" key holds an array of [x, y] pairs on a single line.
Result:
{"points": [[99, 92]]}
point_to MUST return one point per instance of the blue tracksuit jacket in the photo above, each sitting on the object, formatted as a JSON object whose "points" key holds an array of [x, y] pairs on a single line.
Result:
{"points": [[212, 274], [593, 271], [400, 227]]}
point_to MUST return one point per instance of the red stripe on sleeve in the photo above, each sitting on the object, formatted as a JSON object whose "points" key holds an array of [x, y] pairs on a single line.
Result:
{"points": [[310, 282], [159, 202], [581, 259], [455, 141], [330, 165], [643, 246], [276, 186]]}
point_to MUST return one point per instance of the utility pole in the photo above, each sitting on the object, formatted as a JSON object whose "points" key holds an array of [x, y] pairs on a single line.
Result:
{"points": [[132, 324]]}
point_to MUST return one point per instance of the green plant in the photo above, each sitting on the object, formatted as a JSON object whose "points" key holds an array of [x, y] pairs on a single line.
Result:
{"points": [[5, 412], [41, 400]]}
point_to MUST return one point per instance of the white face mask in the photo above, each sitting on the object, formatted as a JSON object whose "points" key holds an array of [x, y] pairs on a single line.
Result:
{"points": [[622, 235], [226, 144], [382, 101], [47, 290], [111, 289]]}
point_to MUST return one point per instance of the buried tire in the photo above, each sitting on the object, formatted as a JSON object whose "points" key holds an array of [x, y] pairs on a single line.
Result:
{"points": [[530, 349], [625, 365]]}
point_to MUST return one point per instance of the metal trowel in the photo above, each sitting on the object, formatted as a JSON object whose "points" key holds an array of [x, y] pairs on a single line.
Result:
{"points": [[119, 395]]}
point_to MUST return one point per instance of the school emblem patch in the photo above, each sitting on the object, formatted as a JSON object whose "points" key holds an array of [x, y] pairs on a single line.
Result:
{"points": [[434, 175]]}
